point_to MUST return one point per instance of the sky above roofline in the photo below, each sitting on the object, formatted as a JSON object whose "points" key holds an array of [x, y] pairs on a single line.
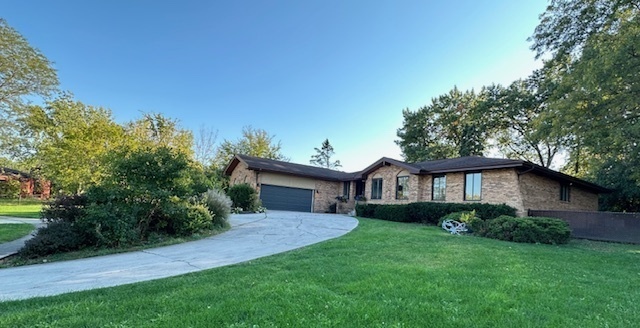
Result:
{"points": [[302, 70]]}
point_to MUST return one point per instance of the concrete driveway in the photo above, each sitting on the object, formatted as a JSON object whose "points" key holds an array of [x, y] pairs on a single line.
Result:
{"points": [[251, 236]]}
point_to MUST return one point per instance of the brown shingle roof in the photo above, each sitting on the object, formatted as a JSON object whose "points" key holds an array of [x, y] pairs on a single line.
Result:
{"points": [[461, 164]]}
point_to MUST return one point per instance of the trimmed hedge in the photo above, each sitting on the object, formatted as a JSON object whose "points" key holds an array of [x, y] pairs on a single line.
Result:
{"points": [[430, 213], [524, 230]]}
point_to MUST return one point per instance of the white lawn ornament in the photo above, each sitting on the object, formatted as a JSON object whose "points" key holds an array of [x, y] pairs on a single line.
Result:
{"points": [[454, 227]]}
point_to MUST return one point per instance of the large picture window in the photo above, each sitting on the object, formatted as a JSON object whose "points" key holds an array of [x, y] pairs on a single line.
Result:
{"points": [[402, 187], [473, 186], [376, 188], [439, 187]]}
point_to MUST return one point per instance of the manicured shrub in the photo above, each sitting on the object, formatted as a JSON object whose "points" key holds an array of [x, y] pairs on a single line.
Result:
{"points": [[56, 237], [244, 196], [431, 212], [219, 205], [526, 230], [366, 210], [396, 213], [190, 219]]}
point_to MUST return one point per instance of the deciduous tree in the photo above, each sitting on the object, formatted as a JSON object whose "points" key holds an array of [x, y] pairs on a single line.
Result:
{"points": [[450, 126], [254, 142], [24, 71]]}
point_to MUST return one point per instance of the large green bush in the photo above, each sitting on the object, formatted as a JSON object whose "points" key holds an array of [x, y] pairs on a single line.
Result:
{"points": [[56, 237], [146, 193], [526, 230], [64, 230], [244, 196], [431, 212]]}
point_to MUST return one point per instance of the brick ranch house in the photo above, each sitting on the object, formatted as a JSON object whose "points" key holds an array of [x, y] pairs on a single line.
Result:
{"points": [[29, 185], [520, 184]]}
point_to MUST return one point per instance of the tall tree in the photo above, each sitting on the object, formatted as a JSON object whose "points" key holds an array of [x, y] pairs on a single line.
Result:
{"points": [[254, 142], [153, 130], [323, 156], [522, 129], [24, 71], [451, 126], [70, 141], [595, 44]]}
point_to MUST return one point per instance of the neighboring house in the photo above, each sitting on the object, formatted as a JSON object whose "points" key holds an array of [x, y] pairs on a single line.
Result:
{"points": [[29, 185], [520, 184]]}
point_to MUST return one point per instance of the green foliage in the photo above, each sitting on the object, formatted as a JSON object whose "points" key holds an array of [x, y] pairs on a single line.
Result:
{"points": [[526, 230], [254, 142], [24, 72], [518, 111], [145, 194], [189, 219], [451, 126], [154, 130], [244, 196], [398, 213], [594, 48], [323, 156], [10, 189], [64, 129], [56, 237], [219, 205], [429, 212], [65, 230]]}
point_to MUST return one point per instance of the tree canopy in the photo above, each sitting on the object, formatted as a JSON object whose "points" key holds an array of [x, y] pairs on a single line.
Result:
{"points": [[24, 71], [323, 156], [254, 142], [595, 46], [452, 125]]}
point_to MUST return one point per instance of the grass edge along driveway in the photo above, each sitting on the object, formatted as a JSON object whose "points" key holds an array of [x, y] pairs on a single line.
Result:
{"points": [[383, 274], [12, 231]]}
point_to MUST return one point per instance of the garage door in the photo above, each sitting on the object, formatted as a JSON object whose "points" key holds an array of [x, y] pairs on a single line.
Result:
{"points": [[286, 198]]}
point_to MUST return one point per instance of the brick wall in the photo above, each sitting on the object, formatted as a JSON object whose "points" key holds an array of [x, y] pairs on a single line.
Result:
{"points": [[498, 187], [389, 173], [241, 174], [325, 195], [541, 193]]}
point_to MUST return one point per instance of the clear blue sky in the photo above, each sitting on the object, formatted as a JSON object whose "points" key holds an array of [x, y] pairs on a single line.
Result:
{"points": [[302, 70]]}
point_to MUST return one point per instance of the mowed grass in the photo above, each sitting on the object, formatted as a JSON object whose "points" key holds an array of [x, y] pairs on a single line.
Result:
{"points": [[13, 231], [383, 274], [25, 208]]}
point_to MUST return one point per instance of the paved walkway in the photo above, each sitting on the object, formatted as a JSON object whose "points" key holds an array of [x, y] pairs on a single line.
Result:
{"points": [[12, 247], [251, 236]]}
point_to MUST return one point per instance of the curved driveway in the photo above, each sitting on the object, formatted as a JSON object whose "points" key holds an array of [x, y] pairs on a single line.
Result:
{"points": [[251, 236]]}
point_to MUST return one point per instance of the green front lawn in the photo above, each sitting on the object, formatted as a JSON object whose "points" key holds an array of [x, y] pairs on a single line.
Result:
{"points": [[13, 231], [383, 274], [25, 208]]}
